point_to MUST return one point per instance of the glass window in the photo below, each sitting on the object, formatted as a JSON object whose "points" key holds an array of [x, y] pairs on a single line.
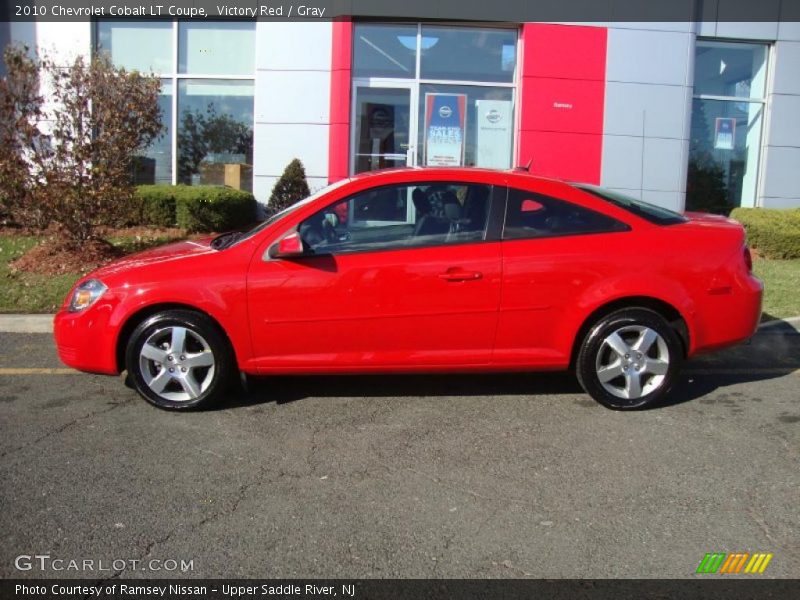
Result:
{"points": [[154, 165], [531, 215], [384, 50], [216, 48], [725, 136], [382, 127], [400, 216], [488, 129], [468, 54], [215, 132], [730, 69], [650, 212], [144, 46]]}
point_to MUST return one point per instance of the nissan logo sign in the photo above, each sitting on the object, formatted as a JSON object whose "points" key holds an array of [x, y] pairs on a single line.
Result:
{"points": [[445, 112], [493, 116]]}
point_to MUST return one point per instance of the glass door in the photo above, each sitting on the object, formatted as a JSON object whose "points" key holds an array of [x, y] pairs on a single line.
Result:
{"points": [[385, 126]]}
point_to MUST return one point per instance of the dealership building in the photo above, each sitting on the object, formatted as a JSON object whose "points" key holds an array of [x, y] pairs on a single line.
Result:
{"points": [[688, 115]]}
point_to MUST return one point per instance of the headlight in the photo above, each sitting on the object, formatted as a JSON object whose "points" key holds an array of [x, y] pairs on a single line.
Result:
{"points": [[86, 294]]}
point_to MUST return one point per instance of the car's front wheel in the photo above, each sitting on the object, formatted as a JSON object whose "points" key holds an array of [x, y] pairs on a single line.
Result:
{"points": [[179, 360], [630, 359]]}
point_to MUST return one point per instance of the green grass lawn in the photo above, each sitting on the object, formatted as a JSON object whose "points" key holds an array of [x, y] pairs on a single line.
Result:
{"points": [[30, 293], [33, 293], [782, 287]]}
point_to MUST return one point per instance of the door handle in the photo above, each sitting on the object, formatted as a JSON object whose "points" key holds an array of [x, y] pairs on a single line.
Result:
{"points": [[456, 274]]}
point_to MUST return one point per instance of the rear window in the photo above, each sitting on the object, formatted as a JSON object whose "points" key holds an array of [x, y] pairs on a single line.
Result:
{"points": [[650, 212]]}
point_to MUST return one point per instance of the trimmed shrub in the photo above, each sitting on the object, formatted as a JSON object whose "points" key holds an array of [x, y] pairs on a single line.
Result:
{"points": [[206, 208], [152, 205], [774, 233]]}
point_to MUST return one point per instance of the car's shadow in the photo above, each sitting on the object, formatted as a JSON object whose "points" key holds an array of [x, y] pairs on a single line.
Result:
{"points": [[774, 352]]}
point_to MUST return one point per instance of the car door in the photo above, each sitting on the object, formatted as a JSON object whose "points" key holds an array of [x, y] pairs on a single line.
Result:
{"points": [[553, 252], [394, 278]]}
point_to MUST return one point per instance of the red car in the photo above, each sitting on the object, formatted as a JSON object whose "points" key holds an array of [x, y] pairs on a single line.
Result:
{"points": [[424, 270]]}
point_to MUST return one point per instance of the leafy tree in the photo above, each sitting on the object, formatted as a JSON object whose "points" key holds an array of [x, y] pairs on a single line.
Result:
{"points": [[290, 188], [69, 135]]}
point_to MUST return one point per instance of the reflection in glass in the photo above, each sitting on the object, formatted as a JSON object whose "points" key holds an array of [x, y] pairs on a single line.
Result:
{"points": [[723, 155], [144, 46], [154, 165], [496, 156], [382, 128], [384, 50], [469, 54], [215, 132], [730, 69], [217, 47]]}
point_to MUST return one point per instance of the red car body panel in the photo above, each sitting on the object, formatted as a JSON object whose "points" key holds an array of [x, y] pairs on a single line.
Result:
{"points": [[492, 305]]}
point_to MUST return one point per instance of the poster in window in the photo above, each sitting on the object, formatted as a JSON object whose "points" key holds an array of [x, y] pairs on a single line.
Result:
{"points": [[445, 129], [724, 131], [493, 134]]}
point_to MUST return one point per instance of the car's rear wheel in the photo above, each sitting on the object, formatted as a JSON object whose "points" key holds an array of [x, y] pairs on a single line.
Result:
{"points": [[630, 359], [179, 360]]}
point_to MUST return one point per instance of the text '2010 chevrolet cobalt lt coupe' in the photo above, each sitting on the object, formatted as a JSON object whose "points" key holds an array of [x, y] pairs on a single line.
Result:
{"points": [[424, 270]]}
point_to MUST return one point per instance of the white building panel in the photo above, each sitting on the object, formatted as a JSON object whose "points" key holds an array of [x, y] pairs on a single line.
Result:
{"points": [[636, 56], [637, 108], [278, 143], [297, 97]]}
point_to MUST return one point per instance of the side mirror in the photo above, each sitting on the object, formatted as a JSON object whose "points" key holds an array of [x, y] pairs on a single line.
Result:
{"points": [[290, 245]]}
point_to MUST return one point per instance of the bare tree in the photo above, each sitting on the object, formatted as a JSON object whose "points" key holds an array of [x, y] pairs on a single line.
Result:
{"points": [[69, 136]]}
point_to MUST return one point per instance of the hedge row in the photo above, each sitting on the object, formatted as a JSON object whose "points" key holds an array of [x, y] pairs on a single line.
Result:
{"points": [[773, 233], [191, 207]]}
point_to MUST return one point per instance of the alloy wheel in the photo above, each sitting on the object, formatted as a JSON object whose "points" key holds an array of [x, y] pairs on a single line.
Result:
{"points": [[177, 363], [632, 362]]}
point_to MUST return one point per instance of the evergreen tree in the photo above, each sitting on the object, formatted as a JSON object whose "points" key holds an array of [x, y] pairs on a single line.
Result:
{"points": [[290, 188]]}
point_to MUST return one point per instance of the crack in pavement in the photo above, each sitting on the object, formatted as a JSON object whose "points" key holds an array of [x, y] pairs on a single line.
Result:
{"points": [[66, 426]]}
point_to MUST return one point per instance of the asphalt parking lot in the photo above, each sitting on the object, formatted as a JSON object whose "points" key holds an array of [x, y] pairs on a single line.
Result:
{"points": [[424, 476]]}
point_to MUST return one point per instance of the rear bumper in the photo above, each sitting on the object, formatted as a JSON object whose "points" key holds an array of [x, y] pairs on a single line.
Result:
{"points": [[731, 318], [85, 341]]}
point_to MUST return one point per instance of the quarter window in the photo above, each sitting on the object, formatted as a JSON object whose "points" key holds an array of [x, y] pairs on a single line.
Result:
{"points": [[400, 216], [531, 215]]}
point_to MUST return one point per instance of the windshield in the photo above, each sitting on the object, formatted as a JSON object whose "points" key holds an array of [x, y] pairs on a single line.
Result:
{"points": [[650, 212], [287, 211]]}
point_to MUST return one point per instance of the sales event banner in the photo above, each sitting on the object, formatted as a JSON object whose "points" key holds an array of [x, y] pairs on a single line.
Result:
{"points": [[724, 133], [494, 134], [391, 589], [445, 129]]}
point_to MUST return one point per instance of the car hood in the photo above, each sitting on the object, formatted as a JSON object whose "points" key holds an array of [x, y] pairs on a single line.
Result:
{"points": [[162, 254]]}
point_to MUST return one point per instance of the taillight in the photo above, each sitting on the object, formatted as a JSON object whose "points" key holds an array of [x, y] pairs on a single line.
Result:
{"points": [[748, 259]]}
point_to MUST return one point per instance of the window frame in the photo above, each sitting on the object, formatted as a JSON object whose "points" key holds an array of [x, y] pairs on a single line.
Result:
{"points": [[174, 76], [762, 100], [623, 227], [414, 82], [492, 229]]}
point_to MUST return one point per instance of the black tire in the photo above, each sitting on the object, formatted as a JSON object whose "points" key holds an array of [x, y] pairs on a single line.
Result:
{"points": [[596, 354], [203, 337]]}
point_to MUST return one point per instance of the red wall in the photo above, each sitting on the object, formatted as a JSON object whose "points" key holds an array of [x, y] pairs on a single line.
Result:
{"points": [[562, 91], [339, 141]]}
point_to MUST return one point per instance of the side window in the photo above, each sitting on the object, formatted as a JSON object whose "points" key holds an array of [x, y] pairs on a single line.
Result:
{"points": [[531, 215], [400, 216]]}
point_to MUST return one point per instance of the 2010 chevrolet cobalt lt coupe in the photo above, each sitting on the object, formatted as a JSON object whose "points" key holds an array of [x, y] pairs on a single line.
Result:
{"points": [[424, 270]]}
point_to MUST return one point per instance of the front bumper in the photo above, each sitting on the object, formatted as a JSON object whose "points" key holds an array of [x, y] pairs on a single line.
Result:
{"points": [[85, 341]]}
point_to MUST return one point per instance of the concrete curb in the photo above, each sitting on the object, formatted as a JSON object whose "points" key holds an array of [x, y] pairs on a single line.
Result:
{"points": [[44, 324], [26, 323]]}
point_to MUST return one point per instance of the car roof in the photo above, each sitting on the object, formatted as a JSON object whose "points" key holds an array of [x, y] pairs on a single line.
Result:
{"points": [[455, 172]]}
